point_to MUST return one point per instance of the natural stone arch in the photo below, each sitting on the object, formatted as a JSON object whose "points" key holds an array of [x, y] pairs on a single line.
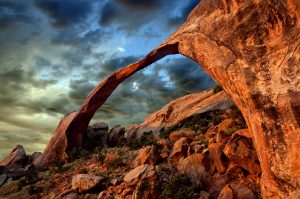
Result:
{"points": [[250, 48]]}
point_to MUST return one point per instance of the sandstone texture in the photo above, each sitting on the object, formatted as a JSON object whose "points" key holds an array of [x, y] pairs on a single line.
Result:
{"points": [[251, 49], [179, 109], [84, 182]]}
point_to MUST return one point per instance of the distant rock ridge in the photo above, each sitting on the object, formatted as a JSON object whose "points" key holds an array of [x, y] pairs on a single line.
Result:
{"points": [[251, 49], [179, 109]]}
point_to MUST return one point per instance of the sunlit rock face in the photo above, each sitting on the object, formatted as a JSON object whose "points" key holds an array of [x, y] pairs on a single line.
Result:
{"points": [[251, 48]]}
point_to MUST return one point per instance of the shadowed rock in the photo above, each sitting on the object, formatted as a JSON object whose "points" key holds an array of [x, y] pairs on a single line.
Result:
{"points": [[250, 48]]}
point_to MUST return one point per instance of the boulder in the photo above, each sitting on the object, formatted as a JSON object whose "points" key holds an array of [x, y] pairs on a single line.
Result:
{"points": [[16, 159], [115, 134], [226, 193], [179, 150], [176, 135], [225, 129], [84, 183], [145, 181], [140, 173], [96, 136], [240, 151], [147, 155], [196, 147], [241, 191], [218, 157], [204, 195], [198, 168], [68, 194]]}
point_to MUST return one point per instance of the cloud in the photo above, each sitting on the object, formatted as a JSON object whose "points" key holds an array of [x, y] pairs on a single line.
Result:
{"points": [[13, 12], [53, 53], [130, 16], [142, 4], [65, 12], [184, 12]]}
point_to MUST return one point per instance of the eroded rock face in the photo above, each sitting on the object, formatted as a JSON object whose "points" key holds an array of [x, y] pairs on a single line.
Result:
{"points": [[179, 150], [147, 155], [83, 182], [240, 150], [16, 159], [179, 109], [197, 167], [251, 48]]}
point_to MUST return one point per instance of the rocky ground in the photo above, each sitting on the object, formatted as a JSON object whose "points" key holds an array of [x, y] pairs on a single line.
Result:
{"points": [[207, 154]]}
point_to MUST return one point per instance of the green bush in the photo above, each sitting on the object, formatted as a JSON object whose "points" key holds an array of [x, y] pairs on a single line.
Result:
{"points": [[217, 89], [147, 139], [117, 163], [163, 134], [31, 176], [144, 186], [178, 186], [33, 189], [84, 170], [174, 185]]}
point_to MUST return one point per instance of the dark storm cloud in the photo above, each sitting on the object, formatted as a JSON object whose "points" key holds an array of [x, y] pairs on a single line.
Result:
{"points": [[65, 12], [131, 15], [79, 90], [12, 12], [187, 76], [115, 63], [75, 38], [142, 4], [181, 18]]}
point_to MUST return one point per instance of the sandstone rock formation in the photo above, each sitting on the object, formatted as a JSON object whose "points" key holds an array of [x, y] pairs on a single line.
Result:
{"points": [[16, 159], [179, 109], [197, 167], [84, 182], [251, 48], [179, 150], [148, 155]]}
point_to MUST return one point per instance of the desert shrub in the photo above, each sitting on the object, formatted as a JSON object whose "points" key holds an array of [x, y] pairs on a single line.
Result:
{"points": [[146, 139], [178, 186], [163, 134], [117, 163], [76, 153], [144, 186], [174, 185], [20, 184], [101, 157], [59, 163], [83, 170], [202, 122], [33, 189], [217, 89], [31, 176]]}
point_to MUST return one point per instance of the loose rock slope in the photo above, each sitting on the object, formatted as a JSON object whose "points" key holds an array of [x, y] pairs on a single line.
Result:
{"points": [[208, 154]]}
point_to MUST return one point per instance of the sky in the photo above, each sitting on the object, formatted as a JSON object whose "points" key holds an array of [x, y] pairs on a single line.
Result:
{"points": [[53, 52]]}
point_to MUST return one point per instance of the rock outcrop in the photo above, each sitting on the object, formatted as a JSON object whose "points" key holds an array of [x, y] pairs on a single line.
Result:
{"points": [[84, 182], [179, 109], [251, 49]]}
